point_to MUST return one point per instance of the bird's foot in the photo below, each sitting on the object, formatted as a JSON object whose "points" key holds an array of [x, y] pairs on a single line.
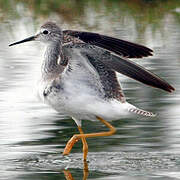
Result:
{"points": [[70, 144]]}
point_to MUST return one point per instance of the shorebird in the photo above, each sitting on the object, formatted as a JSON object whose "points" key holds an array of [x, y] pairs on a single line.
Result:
{"points": [[79, 77]]}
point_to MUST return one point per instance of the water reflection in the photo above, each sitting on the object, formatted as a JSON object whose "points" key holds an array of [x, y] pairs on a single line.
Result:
{"points": [[69, 176], [31, 133]]}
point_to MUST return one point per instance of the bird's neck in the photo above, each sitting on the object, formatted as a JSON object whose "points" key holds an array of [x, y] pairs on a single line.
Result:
{"points": [[50, 66]]}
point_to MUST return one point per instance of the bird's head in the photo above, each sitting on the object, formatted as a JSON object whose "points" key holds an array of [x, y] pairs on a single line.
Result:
{"points": [[49, 33]]}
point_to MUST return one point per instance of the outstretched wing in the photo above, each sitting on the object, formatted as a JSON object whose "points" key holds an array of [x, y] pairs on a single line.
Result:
{"points": [[118, 46], [124, 66], [137, 72]]}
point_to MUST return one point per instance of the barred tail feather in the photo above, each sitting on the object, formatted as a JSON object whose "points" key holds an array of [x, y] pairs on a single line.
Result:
{"points": [[135, 110], [141, 112]]}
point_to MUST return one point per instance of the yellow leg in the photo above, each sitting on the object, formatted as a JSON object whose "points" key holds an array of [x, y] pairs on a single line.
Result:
{"points": [[76, 137], [85, 145]]}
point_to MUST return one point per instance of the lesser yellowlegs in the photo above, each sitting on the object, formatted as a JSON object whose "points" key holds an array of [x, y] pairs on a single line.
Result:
{"points": [[79, 79]]}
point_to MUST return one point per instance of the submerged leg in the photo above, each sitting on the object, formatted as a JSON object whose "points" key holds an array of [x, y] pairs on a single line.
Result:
{"points": [[82, 136], [85, 171], [69, 176]]}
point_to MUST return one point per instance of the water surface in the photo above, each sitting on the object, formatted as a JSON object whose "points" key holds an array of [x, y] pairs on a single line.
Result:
{"points": [[33, 136]]}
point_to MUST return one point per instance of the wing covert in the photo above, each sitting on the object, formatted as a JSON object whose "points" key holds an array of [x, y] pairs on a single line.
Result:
{"points": [[118, 46]]}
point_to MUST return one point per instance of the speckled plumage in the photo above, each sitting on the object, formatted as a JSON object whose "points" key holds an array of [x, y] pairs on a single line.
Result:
{"points": [[79, 73], [79, 77]]}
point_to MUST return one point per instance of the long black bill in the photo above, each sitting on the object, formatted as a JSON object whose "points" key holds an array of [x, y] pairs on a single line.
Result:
{"points": [[24, 40], [137, 72]]}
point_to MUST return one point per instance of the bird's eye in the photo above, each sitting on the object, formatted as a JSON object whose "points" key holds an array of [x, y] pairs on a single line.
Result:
{"points": [[45, 32]]}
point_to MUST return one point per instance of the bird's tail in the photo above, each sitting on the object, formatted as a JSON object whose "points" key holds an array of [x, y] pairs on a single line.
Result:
{"points": [[135, 110]]}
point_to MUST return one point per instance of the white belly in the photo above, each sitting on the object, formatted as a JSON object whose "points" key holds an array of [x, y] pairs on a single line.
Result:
{"points": [[81, 103]]}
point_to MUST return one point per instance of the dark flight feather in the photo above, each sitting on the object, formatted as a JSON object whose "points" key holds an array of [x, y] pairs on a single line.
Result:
{"points": [[137, 72], [118, 46]]}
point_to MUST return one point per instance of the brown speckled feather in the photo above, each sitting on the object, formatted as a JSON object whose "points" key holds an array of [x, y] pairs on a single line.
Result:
{"points": [[108, 80]]}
